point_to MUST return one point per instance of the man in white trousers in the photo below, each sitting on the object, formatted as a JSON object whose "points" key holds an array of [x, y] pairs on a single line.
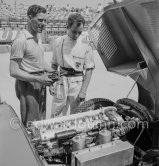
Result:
{"points": [[73, 55]]}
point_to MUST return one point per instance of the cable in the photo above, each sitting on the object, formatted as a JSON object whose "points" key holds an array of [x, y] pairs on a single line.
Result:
{"points": [[139, 135], [133, 86]]}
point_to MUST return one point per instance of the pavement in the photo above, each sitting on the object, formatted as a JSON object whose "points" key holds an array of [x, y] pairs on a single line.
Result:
{"points": [[104, 84]]}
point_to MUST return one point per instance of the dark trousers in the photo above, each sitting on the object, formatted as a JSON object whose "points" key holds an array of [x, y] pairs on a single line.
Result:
{"points": [[32, 96]]}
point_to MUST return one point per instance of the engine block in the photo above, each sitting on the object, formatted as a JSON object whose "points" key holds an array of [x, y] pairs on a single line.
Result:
{"points": [[84, 138]]}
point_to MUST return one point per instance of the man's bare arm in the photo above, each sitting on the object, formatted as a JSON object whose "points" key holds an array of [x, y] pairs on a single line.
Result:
{"points": [[86, 80], [18, 73]]}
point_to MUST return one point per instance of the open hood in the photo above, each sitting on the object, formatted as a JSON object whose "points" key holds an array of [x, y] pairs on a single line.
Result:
{"points": [[126, 36]]}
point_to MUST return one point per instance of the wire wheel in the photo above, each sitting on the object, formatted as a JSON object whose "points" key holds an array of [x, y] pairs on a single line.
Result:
{"points": [[143, 141], [94, 104], [138, 109]]}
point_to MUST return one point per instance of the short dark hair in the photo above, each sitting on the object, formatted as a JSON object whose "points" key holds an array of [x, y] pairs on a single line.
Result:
{"points": [[75, 18], [33, 10]]}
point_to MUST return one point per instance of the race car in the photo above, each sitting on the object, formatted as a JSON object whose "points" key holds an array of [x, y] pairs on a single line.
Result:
{"points": [[102, 132]]}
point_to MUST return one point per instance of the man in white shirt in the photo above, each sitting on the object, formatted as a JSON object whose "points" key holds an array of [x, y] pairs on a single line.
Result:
{"points": [[72, 54]]}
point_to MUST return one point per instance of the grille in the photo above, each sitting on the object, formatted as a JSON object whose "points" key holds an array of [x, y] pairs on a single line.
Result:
{"points": [[102, 39], [152, 13]]}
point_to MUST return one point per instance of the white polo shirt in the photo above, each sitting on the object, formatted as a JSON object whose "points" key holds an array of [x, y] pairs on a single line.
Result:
{"points": [[31, 53]]}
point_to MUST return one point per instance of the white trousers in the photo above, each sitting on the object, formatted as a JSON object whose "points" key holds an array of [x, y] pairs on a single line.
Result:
{"points": [[65, 99]]}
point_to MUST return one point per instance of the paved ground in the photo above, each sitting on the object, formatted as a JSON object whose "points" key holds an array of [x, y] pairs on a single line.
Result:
{"points": [[103, 84]]}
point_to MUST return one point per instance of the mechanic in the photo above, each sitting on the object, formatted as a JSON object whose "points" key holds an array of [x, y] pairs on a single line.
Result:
{"points": [[27, 65], [72, 54]]}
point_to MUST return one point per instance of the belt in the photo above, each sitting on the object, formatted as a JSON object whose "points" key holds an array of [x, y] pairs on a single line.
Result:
{"points": [[70, 72]]}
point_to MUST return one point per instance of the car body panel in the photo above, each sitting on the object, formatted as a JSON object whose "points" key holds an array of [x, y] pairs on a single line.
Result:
{"points": [[15, 146]]}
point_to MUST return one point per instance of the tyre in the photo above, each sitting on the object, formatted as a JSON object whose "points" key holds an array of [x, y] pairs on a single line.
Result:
{"points": [[141, 111], [94, 104], [143, 141]]}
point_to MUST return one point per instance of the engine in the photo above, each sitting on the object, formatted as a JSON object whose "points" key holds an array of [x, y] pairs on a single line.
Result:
{"points": [[95, 137]]}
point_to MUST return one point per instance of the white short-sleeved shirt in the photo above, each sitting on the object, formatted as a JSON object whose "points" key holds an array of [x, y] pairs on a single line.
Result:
{"points": [[76, 54], [31, 53]]}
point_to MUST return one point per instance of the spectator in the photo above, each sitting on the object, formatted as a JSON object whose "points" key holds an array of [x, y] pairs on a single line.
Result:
{"points": [[87, 11], [68, 7], [99, 8]]}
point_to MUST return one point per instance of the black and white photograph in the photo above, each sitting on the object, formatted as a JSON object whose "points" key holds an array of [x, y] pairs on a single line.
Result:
{"points": [[79, 83]]}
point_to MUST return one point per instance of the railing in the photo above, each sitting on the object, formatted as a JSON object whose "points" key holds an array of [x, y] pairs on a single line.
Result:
{"points": [[52, 29], [22, 23]]}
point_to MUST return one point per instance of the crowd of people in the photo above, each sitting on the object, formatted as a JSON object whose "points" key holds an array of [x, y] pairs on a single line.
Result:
{"points": [[68, 76], [15, 17], [19, 11]]}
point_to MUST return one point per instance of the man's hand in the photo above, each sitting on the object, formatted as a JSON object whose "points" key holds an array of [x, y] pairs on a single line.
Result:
{"points": [[54, 75], [52, 90], [81, 96], [45, 80]]}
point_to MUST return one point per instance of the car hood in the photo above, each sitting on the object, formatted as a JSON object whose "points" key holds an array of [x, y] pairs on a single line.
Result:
{"points": [[126, 36]]}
